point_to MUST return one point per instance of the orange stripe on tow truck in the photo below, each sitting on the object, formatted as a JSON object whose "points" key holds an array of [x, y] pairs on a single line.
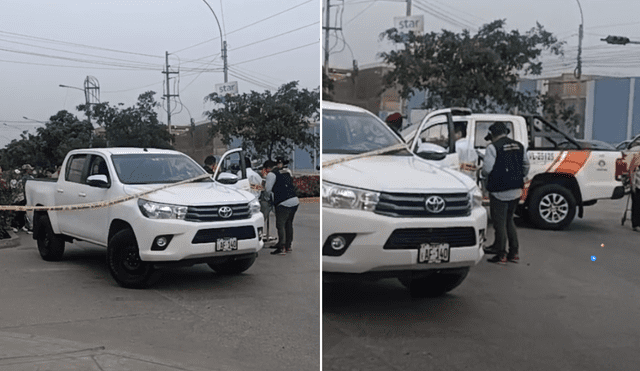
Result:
{"points": [[573, 162]]}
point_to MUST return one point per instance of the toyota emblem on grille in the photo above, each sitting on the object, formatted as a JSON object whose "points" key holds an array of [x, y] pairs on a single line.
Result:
{"points": [[225, 212], [434, 204]]}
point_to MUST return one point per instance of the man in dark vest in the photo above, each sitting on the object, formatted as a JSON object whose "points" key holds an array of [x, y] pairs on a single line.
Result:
{"points": [[286, 204], [505, 166]]}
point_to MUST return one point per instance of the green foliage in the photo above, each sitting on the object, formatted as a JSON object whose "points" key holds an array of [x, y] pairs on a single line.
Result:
{"points": [[478, 71], [269, 124], [51, 143], [136, 126]]}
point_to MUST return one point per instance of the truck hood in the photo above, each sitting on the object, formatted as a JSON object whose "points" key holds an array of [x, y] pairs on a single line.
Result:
{"points": [[397, 174], [192, 194]]}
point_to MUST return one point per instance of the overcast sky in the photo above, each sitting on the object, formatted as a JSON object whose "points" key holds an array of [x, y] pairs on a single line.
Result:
{"points": [[362, 22], [122, 43]]}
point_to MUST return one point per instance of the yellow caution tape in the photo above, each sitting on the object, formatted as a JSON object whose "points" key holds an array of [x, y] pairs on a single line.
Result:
{"points": [[366, 154], [95, 205]]}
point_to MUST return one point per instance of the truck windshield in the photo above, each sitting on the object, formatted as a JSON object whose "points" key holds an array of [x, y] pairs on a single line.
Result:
{"points": [[155, 168], [345, 132]]}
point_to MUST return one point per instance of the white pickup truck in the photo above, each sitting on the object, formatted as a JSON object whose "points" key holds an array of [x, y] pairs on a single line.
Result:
{"points": [[204, 221], [388, 213], [566, 174]]}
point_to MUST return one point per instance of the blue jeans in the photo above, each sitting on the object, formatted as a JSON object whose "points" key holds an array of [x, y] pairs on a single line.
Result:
{"points": [[284, 225], [502, 213]]}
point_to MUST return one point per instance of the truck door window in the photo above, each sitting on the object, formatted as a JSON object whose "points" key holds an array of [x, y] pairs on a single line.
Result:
{"points": [[482, 129], [75, 167], [436, 134], [98, 166]]}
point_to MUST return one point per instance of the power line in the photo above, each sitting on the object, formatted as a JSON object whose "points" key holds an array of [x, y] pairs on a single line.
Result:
{"points": [[247, 26], [281, 52], [278, 35], [80, 45]]}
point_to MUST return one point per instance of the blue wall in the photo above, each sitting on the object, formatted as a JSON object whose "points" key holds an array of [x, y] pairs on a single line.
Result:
{"points": [[635, 126], [611, 109]]}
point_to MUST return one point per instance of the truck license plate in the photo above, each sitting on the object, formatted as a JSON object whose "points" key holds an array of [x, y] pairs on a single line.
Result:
{"points": [[433, 253], [227, 244]]}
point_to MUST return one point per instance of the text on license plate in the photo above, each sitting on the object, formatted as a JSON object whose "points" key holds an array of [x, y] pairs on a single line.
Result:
{"points": [[433, 253], [227, 244]]}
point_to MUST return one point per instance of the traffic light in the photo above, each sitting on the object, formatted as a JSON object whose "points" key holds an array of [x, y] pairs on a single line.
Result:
{"points": [[619, 40]]}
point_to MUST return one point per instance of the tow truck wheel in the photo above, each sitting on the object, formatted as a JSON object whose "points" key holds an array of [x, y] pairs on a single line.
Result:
{"points": [[436, 284], [50, 245], [233, 267], [552, 207], [125, 264]]}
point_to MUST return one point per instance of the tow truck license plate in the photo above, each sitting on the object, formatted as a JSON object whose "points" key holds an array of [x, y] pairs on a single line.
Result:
{"points": [[227, 244], [433, 253]]}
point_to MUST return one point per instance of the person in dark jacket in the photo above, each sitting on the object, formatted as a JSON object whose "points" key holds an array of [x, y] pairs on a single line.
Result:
{"points": [[505, 166], [280, 184], [210, 164]]}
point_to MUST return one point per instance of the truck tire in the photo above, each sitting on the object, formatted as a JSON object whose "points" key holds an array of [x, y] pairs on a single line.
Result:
{"points": [[50, 245], [124, 262], [233, 267], [436, 284], [552, 207]]}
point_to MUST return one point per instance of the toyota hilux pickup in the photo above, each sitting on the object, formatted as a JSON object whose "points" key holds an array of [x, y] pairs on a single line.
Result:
{"points": [[148, 208], [386, 213], [566, 174]]}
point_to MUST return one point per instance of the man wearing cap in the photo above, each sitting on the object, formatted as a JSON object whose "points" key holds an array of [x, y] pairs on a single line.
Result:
{"points": [[394, 121], [505, 167]]}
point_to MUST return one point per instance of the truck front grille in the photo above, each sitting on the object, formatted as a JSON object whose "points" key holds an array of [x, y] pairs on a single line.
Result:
{"points": [[414, 205], [412, 238], [212, 234], [211, 213]]}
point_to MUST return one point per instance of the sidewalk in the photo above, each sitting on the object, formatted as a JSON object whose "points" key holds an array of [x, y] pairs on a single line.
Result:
{"points": [[21, 352]]}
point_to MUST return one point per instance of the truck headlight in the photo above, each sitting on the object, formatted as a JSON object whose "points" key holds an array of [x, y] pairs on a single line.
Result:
{"points": [[254, 207], [475, 195], [341, 197], [155, 210]]}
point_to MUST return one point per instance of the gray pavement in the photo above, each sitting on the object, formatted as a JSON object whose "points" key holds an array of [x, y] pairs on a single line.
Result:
{"points": [[556, 310], [70, 315]]}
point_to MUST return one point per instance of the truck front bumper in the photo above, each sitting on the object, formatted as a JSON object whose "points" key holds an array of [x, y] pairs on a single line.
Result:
{"points": [[196, 240], [368, 241]]}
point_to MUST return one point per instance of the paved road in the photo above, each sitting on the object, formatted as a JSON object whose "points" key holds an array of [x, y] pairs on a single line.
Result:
{"points": [[556, 310], [72, 312]]}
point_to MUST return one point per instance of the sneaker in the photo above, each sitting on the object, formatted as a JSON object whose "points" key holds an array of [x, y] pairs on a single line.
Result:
{"points": [[15, 230], [278, 251], [513, 259], [271, 238], [288, 249], [498, 259]]}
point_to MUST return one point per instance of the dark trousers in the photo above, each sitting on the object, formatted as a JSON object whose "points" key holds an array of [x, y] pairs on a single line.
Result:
{"points": [[505, 228], [635, 208], [284, 225]]}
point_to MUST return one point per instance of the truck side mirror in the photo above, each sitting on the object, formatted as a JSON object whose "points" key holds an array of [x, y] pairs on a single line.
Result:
{"points": [[98, 180], [227, 178]]}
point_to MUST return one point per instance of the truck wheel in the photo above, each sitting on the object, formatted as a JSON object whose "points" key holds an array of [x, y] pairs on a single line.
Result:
{"points": [[125, 264], [50, 245], [552, 207], [436, 284], [233, 267]]}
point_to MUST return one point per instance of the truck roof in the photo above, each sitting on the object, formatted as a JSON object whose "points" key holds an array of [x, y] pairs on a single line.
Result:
{"points": [[124, 150]]}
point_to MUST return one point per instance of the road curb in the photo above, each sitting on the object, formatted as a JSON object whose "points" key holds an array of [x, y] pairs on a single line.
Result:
{"points": [[12, 241]]}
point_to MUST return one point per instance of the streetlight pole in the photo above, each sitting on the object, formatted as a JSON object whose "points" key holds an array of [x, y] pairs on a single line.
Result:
{"points": [[224, 43]]}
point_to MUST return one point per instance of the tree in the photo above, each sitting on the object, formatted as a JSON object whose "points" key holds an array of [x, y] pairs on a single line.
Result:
{"points": [[47, 149], [269, 124], [136, 126], [480, 71]]}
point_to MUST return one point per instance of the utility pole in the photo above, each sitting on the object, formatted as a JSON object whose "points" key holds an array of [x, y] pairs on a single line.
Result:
{"points": [[168, 94], [224, 57], [578, 72], [408, 8], [326, 36]]}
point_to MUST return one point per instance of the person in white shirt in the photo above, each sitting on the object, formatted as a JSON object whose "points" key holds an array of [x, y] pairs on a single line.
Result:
{"points": [[467, 155]]}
